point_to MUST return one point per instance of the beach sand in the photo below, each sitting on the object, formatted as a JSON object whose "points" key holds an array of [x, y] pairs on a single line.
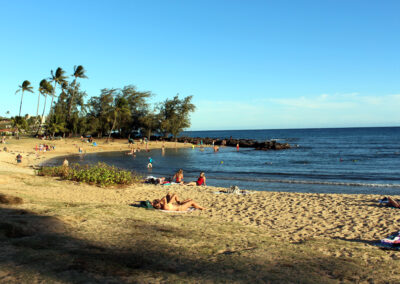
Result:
{"points": [[287, 218]]}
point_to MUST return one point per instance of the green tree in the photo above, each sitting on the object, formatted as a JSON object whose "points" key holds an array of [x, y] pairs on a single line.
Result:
{"points": [[26, 86], [120, 112], [19, 123], [55, 124], [77, 107], [174, 115], [138, 107], [58, 78], [149, 123], [100, 111], [79, 72]]}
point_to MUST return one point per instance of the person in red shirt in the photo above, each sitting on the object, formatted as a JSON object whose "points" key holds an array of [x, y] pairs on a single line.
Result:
{"points": [[200, 181]]}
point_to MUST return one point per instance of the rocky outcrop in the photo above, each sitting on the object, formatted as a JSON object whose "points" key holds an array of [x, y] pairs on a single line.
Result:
{"points": [[243, 143]]}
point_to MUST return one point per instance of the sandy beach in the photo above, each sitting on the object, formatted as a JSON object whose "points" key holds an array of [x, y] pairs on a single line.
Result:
{"points": [[336, 226]]}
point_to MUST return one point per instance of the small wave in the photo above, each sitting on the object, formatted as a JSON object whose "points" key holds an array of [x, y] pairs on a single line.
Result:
{"points": [[311, 182], [301, 162]]}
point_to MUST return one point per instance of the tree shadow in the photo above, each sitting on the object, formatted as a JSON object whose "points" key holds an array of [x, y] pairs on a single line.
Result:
{"points": [[43, 244], [357, 241]]}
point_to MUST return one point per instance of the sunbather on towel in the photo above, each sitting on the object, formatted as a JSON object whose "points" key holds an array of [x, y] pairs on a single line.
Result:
{"points": [[172, 203]]}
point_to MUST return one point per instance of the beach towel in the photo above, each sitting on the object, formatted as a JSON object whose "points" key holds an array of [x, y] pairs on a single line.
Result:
{"points": [[392, 242], [191, 209], [146, 204], [234, 190]]}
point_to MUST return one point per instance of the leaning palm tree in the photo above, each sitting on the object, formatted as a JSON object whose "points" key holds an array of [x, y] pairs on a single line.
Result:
{"points": [[79, 72], [45, 89], [40, 93], [26, 86], [58, 78]]}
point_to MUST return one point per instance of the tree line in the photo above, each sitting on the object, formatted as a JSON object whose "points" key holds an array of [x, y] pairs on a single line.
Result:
{"points": [[120, 112]]}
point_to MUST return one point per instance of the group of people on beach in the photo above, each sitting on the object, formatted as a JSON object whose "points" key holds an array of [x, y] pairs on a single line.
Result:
{"points": [[178, 179], [44, 148]]}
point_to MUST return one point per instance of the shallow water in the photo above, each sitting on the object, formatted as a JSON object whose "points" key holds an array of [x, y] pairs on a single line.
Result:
{"points": [[349, 160]]}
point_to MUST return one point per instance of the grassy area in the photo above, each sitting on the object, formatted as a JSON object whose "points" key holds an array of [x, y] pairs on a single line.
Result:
{"points": [[99, 174], [89, 242]]}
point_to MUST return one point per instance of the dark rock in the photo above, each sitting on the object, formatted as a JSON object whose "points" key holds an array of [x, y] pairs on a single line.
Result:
{"points": [[243, 143]]}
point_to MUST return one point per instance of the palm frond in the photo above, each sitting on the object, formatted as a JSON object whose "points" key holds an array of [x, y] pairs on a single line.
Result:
{"points": [[79, 72]]}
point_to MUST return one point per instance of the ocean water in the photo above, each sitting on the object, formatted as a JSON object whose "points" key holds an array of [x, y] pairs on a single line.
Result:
{"points": [[334, 160]]}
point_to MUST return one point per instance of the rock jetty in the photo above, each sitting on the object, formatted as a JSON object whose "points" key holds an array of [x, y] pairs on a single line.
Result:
{"points": [[243, 143]]}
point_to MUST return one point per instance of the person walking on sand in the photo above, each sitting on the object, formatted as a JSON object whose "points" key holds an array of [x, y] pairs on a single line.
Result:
{"points": [[19, 158]]}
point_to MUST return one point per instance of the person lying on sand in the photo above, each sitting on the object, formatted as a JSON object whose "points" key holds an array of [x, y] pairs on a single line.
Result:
{"points": [[200, 181], [154, 180], [390, 202], [172, 203]]}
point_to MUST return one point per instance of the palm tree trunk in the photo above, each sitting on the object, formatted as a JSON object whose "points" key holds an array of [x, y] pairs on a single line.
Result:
{"points": [[72, 99], [44, 108], [20, 105], [52, 98], [37, 110]]}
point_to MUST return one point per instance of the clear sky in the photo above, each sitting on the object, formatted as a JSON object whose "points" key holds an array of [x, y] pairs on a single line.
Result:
{"points": [[248, 64]]}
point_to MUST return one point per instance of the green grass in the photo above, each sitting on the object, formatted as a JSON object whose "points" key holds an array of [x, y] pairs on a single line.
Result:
{"points": [[100, 174]]}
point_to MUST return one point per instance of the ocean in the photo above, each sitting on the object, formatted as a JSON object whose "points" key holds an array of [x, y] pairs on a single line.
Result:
{"points": [[328, 160]]}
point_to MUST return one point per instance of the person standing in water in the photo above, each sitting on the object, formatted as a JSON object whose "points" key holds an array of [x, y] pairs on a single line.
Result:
{"points": [[150, 164]]}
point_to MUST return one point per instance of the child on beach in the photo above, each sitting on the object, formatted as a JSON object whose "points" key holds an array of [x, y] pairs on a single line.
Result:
{"points": [[150, 164], [19, 158]]}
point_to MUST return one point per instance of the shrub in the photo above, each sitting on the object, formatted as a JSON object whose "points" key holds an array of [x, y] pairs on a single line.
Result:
{"points": [[100, 174]]}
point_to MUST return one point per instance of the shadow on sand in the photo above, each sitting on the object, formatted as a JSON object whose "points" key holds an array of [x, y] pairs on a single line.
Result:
{"points": [[38, 245]]}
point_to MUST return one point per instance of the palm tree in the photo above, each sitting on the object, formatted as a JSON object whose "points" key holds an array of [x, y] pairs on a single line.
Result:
{"points": [[45, 89], [26, 86], [58, 78], [79, 72]]}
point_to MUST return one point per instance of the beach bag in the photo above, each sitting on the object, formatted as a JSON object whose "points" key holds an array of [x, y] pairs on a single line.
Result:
{"points": [[146, 204], [234, 189]]}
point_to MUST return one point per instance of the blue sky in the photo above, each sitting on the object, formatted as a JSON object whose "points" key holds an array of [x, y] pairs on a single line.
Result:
{"points": [[248, 64]]}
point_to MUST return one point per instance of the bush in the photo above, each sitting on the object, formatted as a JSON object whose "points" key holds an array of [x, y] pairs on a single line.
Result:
{"points": [[100, 174]]}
